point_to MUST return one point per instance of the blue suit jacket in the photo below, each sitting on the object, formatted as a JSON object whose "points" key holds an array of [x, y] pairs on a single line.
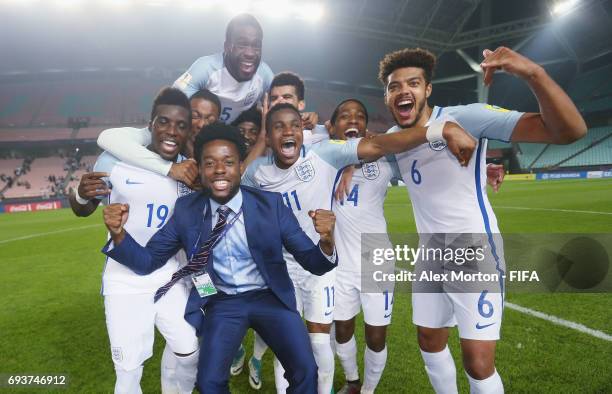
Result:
{"points": [[269, 225]]}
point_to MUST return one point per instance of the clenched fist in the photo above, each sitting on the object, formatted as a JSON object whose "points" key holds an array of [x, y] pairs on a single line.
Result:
{"points": [[115, 216], [324, 222], [459, 142]]}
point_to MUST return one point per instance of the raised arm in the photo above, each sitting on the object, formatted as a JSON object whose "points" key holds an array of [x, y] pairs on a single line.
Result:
{"points": [[559, 121], [460, 143]]}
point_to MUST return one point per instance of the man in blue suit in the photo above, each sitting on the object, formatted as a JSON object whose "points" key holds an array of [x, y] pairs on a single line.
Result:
{"points": [[233, 236]]}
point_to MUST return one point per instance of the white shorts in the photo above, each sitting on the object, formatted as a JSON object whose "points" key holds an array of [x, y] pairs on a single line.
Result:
{"points": [[130, 321], [377, 307], [314, 295], [476, 315]]}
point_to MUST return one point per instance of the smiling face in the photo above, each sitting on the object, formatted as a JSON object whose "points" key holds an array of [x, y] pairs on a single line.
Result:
{"points": [[169, 129], [203, 113], [220, 169], [350, 121], [249, 131], [243, 52], [286, 94], [285, 137], [406, 96]]}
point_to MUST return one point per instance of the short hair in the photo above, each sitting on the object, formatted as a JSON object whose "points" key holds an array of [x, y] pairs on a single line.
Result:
{"points": [[239, 20], [407, 57], [170, 96], [288, 78], [275, 109], [335, 113], [219, 131], [251, 115], [207, 95]]}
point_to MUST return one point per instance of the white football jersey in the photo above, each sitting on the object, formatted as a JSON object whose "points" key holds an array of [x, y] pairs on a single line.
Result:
{"points": [[209, 72], [361, 211], [309, 183], [448, 198], [151, 198]]}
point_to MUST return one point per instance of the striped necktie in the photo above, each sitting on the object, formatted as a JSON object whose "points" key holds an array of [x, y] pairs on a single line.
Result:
{"points": [[200, 259]]}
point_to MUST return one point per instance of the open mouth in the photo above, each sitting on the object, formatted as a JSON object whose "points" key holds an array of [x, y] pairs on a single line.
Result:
{"points": [[168, 145], [247, 67], [288, 147], [220, 184], [404, 106], [351, 133]]}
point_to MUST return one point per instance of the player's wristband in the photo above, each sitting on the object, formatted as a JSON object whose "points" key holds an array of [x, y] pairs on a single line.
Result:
{"points": [[80, 199], [434, 132]]}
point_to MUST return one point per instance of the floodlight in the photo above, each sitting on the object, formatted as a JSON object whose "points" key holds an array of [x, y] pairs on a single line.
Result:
{"points": [[564, 7]]}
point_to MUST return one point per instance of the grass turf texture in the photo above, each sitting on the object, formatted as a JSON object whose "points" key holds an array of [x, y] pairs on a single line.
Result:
{"points": [[52, 317]]}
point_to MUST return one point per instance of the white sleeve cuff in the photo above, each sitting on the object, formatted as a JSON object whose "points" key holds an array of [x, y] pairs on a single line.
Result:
{"points": [[79, 199], [332, 257]]}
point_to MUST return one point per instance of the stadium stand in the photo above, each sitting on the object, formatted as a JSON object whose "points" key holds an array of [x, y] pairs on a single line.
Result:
{"points": [[544, 156], [600, 154], [36, 182], [528, 153], [86, 165]]}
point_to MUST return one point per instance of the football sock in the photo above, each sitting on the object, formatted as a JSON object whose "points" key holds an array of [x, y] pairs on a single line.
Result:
{"points": [[168, 367], [321, 348], [279, 379], [347, 353], [186, 371], [259, 347], [441, 370], [491, 385], [374, 366]]}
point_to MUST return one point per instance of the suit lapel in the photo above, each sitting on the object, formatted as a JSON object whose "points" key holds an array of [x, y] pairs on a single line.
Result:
{"points": [[254, 232]]}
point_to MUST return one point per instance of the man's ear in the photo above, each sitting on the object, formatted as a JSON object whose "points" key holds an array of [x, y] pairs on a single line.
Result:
{"points": [[301, 105], [150, 125], [428, 90]]}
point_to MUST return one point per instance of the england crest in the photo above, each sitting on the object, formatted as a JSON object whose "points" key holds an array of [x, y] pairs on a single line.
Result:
{"points": [[305, 171], [370, 170]]}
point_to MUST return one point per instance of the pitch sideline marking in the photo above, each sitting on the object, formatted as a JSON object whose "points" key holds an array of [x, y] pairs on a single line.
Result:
{"points": [[552, 209], [554, 319], [532, 209], [4, 241], [560, 322]]}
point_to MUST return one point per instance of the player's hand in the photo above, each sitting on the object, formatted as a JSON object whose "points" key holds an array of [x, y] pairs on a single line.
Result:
{"points": [[495, 176], [509, 61], [459, 142], [185, 171], [92, 185], [344, 184], [115, 216], [310, 120], [324, 222]]}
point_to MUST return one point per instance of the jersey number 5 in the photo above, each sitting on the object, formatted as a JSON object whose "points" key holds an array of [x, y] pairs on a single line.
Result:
{"points": [[225, 114]]}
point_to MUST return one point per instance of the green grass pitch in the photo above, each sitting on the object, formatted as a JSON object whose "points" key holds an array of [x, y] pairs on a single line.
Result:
{"points": [[52, 318]]}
